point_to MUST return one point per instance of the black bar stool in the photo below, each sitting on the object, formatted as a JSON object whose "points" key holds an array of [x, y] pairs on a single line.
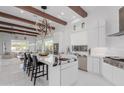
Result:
{"points": [[30, 64], [25, 62], [35, 72]]}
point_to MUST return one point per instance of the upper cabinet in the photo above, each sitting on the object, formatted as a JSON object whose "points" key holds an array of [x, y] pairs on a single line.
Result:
{"points": [[112, 20], [93, 38], [102, 36], [79, 38], [97, 34]]}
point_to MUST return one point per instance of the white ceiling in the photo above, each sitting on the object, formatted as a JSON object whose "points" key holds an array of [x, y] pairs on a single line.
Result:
{"points": [[61, 12]]}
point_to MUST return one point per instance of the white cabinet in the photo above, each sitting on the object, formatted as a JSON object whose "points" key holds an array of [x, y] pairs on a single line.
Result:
{"points": [[113, 74], [89, 64], [93, 38], [96, 39], [54, 76], [118, 76], [102, 36], [79, 38], [97, 35], [107, 71], [94, 64], [69, 74], [64, 75]]}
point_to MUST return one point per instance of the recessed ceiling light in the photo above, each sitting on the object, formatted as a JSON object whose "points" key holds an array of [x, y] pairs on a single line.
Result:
{"points": [[21, 11], [75, 21], [50, 21], [59, 16], [73, 17], [62, 13]]}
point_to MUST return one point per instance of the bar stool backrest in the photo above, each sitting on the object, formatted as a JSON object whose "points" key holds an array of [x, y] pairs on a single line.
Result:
{"points": [[35, 60], [29, 59], [25, 56]]}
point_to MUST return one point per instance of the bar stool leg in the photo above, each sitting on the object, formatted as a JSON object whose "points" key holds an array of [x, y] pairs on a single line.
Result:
{"points": [[32, 75], [24, 66], [43, 70], [39, 68], [47, 71], [35, 76], [29, 71]]}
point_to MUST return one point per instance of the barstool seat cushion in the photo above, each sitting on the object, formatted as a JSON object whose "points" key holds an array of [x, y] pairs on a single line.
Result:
{"points": [[40, 63]]}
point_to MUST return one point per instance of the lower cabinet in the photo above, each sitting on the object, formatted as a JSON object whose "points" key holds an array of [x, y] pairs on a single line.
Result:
{"points": [[69, 74], [64, 75], [94, 65], [107, 71], [89, 64], [113, 74], [118, 76]]}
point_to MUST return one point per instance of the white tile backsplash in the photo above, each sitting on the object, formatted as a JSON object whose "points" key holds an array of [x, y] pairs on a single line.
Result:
{"points": [[102, 52]]}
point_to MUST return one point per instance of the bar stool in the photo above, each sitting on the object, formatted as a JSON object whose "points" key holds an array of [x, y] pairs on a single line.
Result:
{"points": [[35, 72], [30, 64], [25, 62]]}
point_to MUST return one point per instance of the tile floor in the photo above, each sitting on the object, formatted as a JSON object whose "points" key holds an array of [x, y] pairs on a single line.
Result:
{"points": [[11, 74]]}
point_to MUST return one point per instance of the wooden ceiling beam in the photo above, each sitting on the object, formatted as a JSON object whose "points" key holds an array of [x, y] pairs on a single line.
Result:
{"points": [[79, 11], [16, 25], [42, 14], [18, 30], [9, 16], [15, 32]]}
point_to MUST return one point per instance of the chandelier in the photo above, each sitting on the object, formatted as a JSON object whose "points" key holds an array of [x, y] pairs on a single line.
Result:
{"points": [[43, 26]]}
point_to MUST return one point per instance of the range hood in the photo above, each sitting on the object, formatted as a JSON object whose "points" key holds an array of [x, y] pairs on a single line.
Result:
{"points": [[121, 23], [120, 33]]}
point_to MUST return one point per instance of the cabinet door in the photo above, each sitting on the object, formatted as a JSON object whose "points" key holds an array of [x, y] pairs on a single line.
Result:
{"points": [[118, 76], [93, 64], [93, 38], [89, 64], [107, 71], [97, 35], [69, 75], [102, 36], [96, 63], [54, 76]]}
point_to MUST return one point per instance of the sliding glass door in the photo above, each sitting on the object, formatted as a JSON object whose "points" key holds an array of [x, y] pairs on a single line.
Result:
{"points": [[19, 45]]}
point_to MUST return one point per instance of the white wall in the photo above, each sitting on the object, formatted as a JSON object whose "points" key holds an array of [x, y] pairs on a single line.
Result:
{"points": [[96, 14], [112, 26], [63, 38], [79, 38], [110, 14]]}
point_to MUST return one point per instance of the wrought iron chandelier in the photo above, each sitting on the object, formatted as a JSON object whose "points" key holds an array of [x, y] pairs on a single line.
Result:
{"points": [[43, 26]]}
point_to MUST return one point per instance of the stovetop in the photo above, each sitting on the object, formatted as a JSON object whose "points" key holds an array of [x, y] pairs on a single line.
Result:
{"points": [[116, 58]]}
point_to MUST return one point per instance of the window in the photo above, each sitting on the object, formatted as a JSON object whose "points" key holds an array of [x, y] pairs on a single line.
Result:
{"points": [[49, 45], [46, 45], [19, 45]]}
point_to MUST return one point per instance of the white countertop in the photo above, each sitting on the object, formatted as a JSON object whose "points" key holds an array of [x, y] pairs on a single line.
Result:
{"points": [[50, 59], [81, 53]]}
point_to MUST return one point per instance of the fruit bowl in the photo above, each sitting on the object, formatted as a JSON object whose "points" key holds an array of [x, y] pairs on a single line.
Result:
{"points": [[43, 54]]}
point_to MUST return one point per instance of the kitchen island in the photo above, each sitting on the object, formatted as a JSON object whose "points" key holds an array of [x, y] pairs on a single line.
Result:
{"points": [[61, 72]]}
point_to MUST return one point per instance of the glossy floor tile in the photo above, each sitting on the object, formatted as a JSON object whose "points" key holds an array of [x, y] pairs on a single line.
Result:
{"points": [[11, 74]]}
